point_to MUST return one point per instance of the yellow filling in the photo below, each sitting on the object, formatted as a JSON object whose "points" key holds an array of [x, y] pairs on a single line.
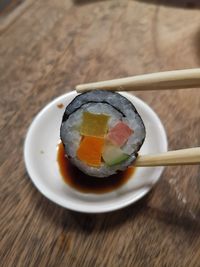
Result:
{"points": [[94, 124]]}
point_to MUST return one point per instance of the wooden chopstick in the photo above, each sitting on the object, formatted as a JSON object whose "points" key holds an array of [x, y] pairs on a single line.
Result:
{"points": [[177, 79], [187, 156]]}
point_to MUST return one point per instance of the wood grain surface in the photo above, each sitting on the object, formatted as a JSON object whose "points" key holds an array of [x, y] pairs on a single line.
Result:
{"points": [[54, 45]]}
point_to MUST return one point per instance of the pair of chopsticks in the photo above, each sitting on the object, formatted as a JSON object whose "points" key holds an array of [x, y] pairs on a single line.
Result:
{"points": [[178, 79]]}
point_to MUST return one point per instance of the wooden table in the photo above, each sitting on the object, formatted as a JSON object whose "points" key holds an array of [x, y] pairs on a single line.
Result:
{"points": [[46, 48]]}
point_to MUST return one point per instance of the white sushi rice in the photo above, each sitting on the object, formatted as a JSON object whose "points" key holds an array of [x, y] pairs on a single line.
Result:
{"points": [[135, 139]]}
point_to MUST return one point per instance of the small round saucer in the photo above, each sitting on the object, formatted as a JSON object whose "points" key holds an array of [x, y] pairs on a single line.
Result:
{"points": [[40, 152]]}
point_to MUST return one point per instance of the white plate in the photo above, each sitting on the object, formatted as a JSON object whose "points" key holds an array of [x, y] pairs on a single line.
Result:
{"points": [[40, 159]]}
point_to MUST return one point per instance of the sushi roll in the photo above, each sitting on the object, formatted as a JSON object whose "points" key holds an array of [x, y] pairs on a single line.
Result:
{"points": [[101, 132]]}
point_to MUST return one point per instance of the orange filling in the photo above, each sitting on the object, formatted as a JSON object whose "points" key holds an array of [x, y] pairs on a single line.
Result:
{"points": [[90, 150]]}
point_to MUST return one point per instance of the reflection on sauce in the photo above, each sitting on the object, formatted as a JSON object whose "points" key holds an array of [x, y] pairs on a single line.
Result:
{"points": [[60, 106], [87, 184]]}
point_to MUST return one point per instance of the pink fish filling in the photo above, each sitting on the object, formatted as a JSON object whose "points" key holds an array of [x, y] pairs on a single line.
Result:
{"points": [[119, 134]]}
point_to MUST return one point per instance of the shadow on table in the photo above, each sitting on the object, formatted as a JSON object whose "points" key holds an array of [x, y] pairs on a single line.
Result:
{"points": [[89, 223], [105, 222], [71, 220], [190, 4], [197, 45], [186, 221], [83, 2], [110, 220]]}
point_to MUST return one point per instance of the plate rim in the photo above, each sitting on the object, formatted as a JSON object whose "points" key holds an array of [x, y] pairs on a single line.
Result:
{"points": [[86, 208]]}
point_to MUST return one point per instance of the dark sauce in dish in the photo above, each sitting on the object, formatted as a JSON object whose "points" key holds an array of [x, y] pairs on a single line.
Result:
{"points": [[87, 184]]}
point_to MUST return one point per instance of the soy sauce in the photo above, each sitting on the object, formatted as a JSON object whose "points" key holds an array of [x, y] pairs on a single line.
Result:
{"points": [[60, 105], [88, 184]]}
